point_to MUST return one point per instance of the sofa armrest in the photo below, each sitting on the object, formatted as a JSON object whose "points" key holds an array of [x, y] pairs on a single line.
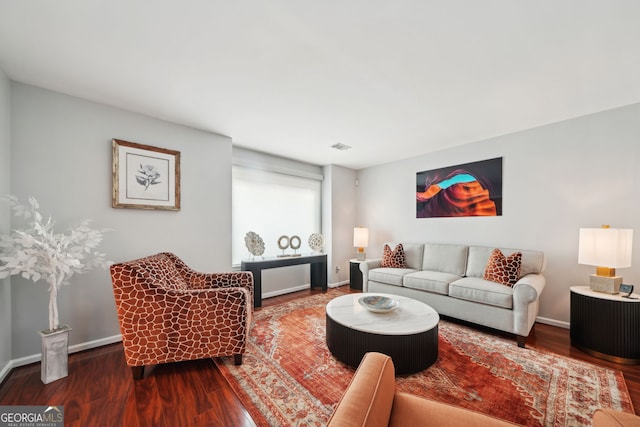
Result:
{"points": [[526, 294], [528, 288], [365, 267], [369, 397]]}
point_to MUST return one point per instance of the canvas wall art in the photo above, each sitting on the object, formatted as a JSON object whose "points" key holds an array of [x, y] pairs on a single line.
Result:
{"points": [[145, 177], [470, 189]]}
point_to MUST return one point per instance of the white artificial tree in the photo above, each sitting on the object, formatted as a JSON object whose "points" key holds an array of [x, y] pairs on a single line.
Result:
{"points": [[39, 253]]}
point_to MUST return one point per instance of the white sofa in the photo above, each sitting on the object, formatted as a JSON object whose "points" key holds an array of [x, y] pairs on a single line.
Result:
{"points": [[448, 278]]}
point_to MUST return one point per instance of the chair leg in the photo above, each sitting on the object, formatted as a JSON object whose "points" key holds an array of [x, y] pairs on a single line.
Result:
{"points": [[521, 340], [138, 372], [237, 359]]}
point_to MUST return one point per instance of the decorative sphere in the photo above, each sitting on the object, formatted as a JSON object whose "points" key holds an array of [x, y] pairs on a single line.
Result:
{"points": [[316, 242]]}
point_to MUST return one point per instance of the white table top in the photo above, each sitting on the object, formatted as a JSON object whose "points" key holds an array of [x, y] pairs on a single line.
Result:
{"points": [[586, 290], [410, 317]]}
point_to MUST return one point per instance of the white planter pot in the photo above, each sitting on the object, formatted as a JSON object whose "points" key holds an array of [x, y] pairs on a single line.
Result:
{"points": [[55, 349]]}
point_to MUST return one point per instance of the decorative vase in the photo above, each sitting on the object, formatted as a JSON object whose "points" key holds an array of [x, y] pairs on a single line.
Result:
{"points": [[55, 349]]}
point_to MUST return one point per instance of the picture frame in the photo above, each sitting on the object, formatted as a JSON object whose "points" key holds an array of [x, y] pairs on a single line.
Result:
{"points": [[464, 190], [145, 177]]}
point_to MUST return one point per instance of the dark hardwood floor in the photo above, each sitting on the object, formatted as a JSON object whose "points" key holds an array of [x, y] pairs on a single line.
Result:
{"points": [[100, 390]]}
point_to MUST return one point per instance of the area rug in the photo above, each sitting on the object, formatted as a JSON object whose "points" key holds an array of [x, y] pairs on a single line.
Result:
{"points": [[289, 377]]}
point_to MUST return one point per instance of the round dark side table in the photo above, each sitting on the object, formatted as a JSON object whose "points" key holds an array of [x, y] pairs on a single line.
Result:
{"points": [[606, 325], [355, 275]]}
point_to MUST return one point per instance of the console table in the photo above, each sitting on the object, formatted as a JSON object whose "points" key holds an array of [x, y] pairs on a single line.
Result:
{"points": [[318, 266], [606, 325]]}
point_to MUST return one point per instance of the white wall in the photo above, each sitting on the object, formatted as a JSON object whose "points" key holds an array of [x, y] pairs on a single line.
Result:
{"points": [[5, 152], [557, 178], [61, 154], [339, 218]]}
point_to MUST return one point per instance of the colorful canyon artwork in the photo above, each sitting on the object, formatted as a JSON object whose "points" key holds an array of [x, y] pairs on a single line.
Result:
{"points": [[470, 189]]}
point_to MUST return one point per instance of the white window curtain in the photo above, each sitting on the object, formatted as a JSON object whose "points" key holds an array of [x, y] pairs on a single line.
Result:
{"points": [[273, 204]]}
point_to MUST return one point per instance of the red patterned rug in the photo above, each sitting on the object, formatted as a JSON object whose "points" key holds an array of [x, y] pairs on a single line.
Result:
{"points": [[289, 377]]}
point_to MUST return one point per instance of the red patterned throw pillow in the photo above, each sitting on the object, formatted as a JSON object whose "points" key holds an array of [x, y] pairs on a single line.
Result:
{"points": [[503, 270], [395, 258]]}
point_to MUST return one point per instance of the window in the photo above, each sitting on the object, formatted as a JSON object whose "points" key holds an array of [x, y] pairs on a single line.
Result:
{"points": [[273, 204]]}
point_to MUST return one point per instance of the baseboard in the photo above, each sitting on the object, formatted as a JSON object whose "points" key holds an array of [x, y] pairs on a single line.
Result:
{"points": [[34, 358], [553, 322], [284, 291], [338, 284], [279, 292], [5, 371]]}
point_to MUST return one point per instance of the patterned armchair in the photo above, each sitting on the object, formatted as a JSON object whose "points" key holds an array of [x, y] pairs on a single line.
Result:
{"points": [[170, 313]]}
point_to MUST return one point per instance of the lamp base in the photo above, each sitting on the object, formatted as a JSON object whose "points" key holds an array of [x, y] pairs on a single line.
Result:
{"points": [[609, 285], [361, 256]]}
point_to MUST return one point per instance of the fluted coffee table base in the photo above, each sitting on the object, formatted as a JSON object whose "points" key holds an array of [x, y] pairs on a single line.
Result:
{"points": [[409, 334]]}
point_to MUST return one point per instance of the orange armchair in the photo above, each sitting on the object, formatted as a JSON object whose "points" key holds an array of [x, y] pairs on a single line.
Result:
{"points": [[169, 312]]}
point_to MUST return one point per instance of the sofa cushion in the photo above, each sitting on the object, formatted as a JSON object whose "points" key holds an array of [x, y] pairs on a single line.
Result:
{"points": [[390, 276], [445, 258], [532, 261], [482, 291], [431, 281], [503, 269], [393, 258], [412, 253]]}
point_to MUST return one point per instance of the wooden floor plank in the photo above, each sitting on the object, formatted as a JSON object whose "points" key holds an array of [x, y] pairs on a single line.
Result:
{"points": [[226, 413], [180, 386], [149, 404], [100, 390]]}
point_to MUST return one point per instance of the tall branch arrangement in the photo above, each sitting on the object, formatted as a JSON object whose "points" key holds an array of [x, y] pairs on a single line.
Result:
{"points": [[39, 253]]}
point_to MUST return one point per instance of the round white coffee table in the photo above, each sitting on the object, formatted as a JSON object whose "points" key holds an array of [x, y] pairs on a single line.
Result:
{"points": [[408, 334]]}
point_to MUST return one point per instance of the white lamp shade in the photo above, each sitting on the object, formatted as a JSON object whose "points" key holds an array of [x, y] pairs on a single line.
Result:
{"points": [[360, 237], [605, 247]]}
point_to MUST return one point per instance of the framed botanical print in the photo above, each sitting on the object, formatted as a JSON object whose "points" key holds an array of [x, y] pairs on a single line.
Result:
{"points": [[145, 177]]}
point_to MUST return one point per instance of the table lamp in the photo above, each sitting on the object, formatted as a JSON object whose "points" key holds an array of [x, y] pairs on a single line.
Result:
{"points": [[360, 241], [607, 249]]}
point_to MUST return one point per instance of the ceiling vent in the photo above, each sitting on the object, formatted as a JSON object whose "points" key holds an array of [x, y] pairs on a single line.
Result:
{"points": [[340, 146]]}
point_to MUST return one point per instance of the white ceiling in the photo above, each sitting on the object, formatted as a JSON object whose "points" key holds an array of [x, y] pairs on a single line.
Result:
{"points": [[391, 78]]}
